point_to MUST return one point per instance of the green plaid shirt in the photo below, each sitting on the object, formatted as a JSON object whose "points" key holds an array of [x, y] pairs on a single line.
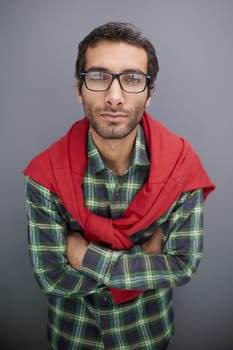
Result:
{"points": [[82, 314]]}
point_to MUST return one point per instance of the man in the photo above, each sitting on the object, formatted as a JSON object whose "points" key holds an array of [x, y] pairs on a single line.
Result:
{"points": [[115, 207]]}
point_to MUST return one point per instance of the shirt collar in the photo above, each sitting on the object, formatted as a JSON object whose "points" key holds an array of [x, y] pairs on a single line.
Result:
{"points": [[139, 157]]}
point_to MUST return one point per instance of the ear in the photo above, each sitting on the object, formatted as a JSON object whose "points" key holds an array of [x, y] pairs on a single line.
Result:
{"points": [[79, 96], [148, 101], [150, 92]]}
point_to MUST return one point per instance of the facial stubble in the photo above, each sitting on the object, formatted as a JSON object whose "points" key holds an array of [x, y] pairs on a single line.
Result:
{"points": [[113, 131]]}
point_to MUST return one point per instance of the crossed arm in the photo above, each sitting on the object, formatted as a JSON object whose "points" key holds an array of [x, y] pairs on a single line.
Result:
{"points": [[77, 247], [66, 265]]}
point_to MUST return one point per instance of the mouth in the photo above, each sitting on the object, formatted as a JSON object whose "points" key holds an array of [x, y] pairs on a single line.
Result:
{"points": [[113, 117]]}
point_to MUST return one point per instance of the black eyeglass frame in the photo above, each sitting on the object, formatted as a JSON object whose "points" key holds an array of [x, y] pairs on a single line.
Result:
{"points": [[116, 76]]}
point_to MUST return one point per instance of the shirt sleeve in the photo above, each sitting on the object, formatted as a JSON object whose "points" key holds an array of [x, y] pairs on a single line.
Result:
{"points": [[181, 254], [47, 231]]}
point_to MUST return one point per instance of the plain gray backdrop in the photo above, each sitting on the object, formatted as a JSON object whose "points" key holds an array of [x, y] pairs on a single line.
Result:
{"points": [[193, 98]]}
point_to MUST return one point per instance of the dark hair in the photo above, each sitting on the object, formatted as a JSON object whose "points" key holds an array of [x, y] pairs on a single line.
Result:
{"points": [[117, 31]]}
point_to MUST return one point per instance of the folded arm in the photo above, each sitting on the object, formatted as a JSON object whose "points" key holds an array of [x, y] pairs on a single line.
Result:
{"points": [[77, 247], [175, 265]]}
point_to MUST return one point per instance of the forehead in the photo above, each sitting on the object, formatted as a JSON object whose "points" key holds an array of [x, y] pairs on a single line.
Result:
{"points": [[116, 57]]}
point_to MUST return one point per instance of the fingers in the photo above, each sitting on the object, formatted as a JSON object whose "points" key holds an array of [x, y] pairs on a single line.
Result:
{"points": [[76, 246]]}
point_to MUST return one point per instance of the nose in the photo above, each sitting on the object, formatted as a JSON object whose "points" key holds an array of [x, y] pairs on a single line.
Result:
{"points": [[114, 95]]}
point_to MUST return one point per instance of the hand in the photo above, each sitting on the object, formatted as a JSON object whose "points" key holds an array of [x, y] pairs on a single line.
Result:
{"points": [[154, 244], [76, 246]]}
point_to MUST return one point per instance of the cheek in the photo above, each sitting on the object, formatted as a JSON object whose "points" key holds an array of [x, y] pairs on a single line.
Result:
{"points": [[143, 102], [91, 98]]}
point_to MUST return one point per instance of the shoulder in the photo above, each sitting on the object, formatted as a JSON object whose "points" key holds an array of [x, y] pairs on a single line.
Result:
{"points": [[160, 136], [41, 167]]}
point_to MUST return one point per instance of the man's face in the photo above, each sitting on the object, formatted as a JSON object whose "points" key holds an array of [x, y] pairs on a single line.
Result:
{"points": [[114, 113]]}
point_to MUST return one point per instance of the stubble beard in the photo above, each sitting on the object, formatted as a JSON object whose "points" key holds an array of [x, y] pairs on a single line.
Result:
{"points": [[113, 131]]}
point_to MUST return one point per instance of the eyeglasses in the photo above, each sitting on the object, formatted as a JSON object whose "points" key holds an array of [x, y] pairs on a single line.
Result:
{"points": [[132, 82]]}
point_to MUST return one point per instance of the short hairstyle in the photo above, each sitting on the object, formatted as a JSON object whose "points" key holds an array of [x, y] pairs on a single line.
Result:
{"points": [[117, 32]]}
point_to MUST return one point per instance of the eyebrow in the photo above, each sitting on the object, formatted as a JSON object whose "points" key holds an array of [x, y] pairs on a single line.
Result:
{"points": [[103, 69]]}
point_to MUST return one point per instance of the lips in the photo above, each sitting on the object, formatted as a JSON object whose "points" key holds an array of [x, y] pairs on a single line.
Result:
{"points": [[111, 117]]}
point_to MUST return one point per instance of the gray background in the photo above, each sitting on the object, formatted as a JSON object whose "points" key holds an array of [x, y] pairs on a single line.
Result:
{"points": [[193, 98]]}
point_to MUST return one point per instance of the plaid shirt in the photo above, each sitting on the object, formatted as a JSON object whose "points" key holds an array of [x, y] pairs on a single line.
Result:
{"points": [[82, 314]]}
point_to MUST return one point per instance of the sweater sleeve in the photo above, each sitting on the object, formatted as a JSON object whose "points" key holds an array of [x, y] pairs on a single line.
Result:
{"points": [[181, 254]]}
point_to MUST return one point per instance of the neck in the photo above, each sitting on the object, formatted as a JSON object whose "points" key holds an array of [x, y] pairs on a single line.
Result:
{"points": [[115, 153]]}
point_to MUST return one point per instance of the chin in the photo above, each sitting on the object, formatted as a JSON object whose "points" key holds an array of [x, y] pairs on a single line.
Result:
{"points": [[114, 133]]}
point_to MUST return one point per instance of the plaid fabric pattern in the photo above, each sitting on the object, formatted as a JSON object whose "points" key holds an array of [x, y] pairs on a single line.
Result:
{"points": [[82, 314], [106, 194]]}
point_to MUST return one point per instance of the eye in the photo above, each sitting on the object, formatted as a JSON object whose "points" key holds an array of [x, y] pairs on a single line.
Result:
{"points": [[97, 76], [132, 79]]}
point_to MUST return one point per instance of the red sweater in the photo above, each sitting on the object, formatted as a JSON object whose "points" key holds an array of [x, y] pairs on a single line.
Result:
{"points": [[174, 168]]}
